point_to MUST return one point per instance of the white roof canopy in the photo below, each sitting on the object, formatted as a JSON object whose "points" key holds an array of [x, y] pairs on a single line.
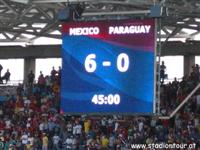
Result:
{"points": [[29, 20]]}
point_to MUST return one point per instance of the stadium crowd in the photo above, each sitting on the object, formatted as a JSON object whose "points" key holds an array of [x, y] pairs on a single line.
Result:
{"points": [[30, 120]]}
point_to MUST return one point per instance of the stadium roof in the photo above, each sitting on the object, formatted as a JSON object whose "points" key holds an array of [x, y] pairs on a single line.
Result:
{"points": [[28, 20]]}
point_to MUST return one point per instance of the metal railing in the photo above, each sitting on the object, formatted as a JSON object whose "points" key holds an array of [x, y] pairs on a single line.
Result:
{"points": [[12, 83], [181, 104]]}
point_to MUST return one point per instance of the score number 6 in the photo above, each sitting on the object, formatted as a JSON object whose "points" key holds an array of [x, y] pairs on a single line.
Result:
{"points": [[122, 63]]}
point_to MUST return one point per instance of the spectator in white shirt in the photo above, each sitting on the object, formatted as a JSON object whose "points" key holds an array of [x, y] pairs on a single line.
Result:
{"points": [[56, 140], [140, 126], [24, 139], [77, 129], [68, 143]]}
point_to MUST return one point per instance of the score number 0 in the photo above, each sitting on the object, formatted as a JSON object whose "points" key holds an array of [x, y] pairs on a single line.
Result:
{"points": [[122, 63]]}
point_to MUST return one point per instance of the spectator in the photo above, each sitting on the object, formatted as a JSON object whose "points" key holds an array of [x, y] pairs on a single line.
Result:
{"points": [[87, 124], [162, 72], [59, 71], [36, 142], [24, 140], [6, 76], [69, 142], [53, 74], [77, 129], [41, 81], [140, 125], [1, 68], [31, 77], [1, 144], [45, 142], [56, 140], [111, 141], [59, 74], [104, 142]]}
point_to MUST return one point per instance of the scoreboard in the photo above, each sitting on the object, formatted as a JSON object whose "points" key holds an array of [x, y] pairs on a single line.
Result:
{"points": [[108, 66]]}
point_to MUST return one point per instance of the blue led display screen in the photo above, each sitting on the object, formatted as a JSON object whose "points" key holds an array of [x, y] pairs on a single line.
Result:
{"points": [[108, 67]]}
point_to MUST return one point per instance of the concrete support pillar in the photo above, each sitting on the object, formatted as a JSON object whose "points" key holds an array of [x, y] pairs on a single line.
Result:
{"points": [[29, 64], [189, 61]]}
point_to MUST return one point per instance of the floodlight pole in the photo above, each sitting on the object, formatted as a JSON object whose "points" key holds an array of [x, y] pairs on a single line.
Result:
{"points": [[158, 22], [157, 13]]}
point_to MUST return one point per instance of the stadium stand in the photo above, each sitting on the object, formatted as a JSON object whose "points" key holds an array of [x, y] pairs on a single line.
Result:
{"points": [[30, 116], [30, 120]]}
